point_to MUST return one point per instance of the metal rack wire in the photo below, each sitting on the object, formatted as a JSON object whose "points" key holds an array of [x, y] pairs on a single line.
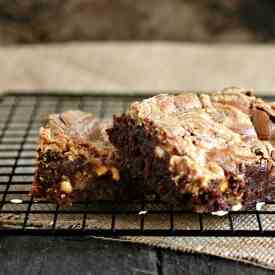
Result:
{"points": [[20, 119]]}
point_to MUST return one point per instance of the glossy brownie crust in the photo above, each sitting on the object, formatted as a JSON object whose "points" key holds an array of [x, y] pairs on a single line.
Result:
{"points": [[205, 152], [75, 161]]}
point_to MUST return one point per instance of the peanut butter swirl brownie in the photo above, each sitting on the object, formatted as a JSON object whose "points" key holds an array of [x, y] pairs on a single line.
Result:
{"points": [[207, 152], [76, 160]]}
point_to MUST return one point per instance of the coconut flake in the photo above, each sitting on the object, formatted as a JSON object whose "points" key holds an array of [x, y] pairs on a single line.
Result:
{"points": [[16, 201], [260, 205], [144, 212], [237, 207], [219, 213]]}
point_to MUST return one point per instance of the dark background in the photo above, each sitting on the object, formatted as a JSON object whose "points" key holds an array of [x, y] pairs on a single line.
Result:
{"points": [[42, 21]]}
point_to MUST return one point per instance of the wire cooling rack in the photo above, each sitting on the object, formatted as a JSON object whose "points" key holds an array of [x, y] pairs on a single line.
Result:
{"points": [[20, 214]]}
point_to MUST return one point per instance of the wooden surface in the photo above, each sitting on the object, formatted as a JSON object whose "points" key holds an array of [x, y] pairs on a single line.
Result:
{"points": [[137, 66], [49, 256]]}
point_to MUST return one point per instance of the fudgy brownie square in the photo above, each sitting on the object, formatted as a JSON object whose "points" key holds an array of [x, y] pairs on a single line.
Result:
{"points": [[76, 161], [207, 152]]}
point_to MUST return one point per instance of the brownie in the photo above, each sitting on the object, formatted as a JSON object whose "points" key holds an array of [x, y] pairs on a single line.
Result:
{"points": [[205, 152], [76, 161]]}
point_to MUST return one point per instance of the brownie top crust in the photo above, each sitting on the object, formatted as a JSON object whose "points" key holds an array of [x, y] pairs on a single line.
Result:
{"points": [[81, 126], [76, 132], [210, 136]]}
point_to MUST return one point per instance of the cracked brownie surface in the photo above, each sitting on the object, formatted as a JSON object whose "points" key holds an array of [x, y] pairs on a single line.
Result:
{"points": [[207, 152]]}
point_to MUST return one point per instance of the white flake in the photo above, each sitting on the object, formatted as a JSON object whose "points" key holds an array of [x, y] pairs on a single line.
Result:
{"points": [[16, 201], [219, 213]]}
